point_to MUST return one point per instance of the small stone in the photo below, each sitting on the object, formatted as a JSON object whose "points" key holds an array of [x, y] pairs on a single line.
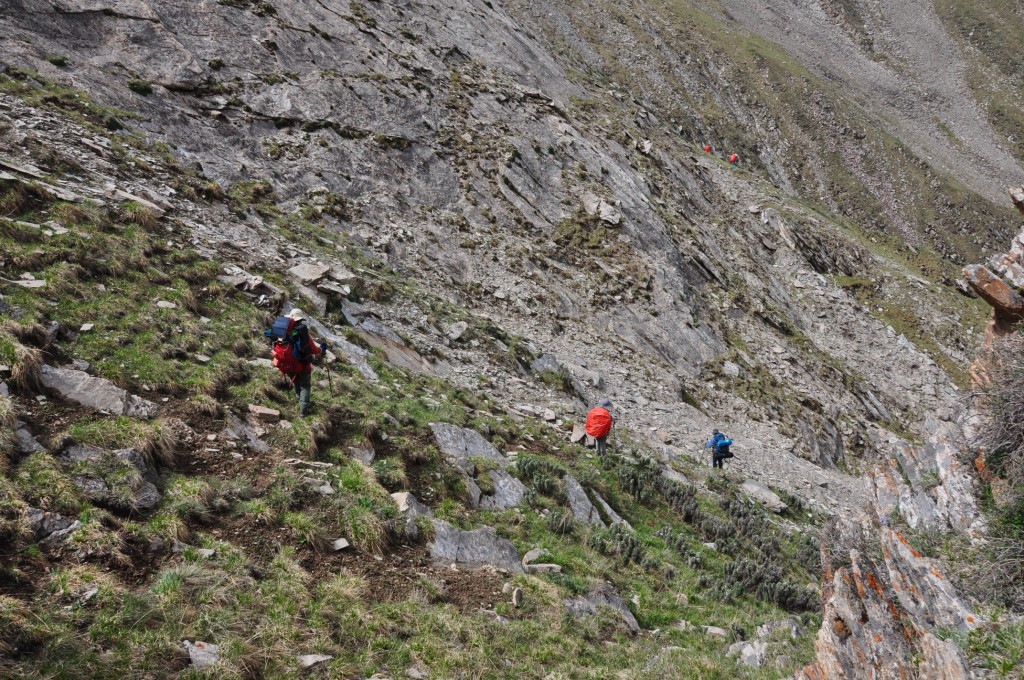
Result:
{"points": [[211, 437], [339, 544], [416, 674], [164, 304], [325, 490], [684, 625], [682, 600], [710, 546], [715, 631], [517, 597], [267, 415], [206, 553], [88, 595], [202, 358], [203, 320], [549, 415], [202, 654], [86, 327], [310, 660]]}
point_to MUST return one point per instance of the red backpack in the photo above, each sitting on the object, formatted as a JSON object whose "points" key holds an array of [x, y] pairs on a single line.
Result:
{"points": [[284, 359]]}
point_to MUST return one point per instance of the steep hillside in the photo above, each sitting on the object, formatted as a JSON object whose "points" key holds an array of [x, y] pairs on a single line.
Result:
{"points": [[496, 213]]}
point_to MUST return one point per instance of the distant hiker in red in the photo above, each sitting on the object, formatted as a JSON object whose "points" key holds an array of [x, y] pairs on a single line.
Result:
{"points": [[293, 355], [707, 148], [599, 424], [734, 159]]}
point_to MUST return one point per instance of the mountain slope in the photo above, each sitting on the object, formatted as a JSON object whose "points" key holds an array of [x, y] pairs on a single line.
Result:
{"points": [[533, 177]]}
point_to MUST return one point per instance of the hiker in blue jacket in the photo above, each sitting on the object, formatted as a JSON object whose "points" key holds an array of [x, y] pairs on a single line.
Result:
{"points": [[719, 445]]}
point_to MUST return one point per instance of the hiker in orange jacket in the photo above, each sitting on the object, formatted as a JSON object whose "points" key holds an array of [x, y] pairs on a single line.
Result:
{"points": [[707, 148], [734, 159], [599, 424]]}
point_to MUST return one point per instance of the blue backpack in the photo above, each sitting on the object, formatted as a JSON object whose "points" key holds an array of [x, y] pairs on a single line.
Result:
{"points": [[295, 333], [722, 448]]}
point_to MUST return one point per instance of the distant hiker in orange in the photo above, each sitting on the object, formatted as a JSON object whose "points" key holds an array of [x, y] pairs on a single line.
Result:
{"points": [[707, 148], [734, 159], [599, 424]]}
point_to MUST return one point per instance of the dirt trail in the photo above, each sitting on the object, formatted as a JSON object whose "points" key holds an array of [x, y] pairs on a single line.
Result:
{"points": [[920, 88]]}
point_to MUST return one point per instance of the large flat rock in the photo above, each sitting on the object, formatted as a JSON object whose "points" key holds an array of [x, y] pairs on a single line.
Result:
{"points": [[97, 393], [478, 548], [460, 444]]}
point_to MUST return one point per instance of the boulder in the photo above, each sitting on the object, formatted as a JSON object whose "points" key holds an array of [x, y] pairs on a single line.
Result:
{"points": [[24, 442], [1007, 303], [309, 272], [460, 444], [96, 393], [762, 494], [582, 509], [508, 491], [602, 595], [478, 548], [751, 653], [364, 454], [456, 330], [579, 433], [49, 527], [531, 568], [412, 508]]}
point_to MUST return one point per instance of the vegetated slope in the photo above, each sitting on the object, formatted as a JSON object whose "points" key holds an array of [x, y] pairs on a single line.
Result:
{"points": [[104, 576], [536, 177]]}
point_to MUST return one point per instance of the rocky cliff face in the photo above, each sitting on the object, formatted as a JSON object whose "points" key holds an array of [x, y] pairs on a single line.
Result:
{"points": [[539, 170]]}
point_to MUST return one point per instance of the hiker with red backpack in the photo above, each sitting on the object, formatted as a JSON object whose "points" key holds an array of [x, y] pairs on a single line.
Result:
{"points": [[293, 354], [599, 424]]}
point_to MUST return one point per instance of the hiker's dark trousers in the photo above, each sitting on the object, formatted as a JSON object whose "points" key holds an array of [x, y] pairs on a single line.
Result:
{"points": [[717, 461], [303, 386], [602, 445]]}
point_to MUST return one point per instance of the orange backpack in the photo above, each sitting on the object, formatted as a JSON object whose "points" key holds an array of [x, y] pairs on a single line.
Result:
{"points": [[599, 422]]}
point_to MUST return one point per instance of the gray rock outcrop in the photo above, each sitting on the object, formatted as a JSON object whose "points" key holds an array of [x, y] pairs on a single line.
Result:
{"points": [[602, 595], [97, 393], [478, 548], [582, 508], [763, 495], [460, 446]]}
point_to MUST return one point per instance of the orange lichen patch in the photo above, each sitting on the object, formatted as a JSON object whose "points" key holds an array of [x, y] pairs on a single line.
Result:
{"points": [[878, 638], [905, 542], [840, 628], [935, 573], [874, 585], [970, 619]]}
